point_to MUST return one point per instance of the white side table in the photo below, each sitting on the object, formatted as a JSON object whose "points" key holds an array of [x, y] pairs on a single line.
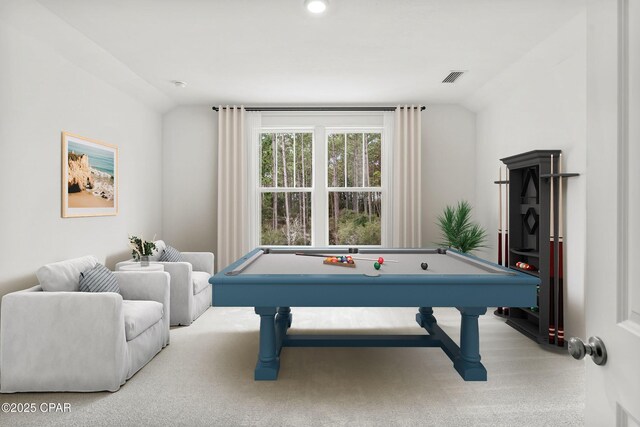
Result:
{"points": [[137, 267]]}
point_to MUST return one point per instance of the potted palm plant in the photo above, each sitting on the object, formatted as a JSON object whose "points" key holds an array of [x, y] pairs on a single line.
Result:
{"points": [[459, 231]]}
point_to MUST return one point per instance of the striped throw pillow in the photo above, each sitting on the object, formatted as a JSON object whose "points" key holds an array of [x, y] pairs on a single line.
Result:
{"points": [[98, 279], [170, 254]]}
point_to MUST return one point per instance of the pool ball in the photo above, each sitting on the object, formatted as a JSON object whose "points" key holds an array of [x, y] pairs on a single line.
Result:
{"points": [[376, 265], [381, 260], [424, 265]]}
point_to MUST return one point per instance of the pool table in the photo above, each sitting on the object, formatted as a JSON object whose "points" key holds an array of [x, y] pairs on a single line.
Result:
{"points": [[274, 280]]}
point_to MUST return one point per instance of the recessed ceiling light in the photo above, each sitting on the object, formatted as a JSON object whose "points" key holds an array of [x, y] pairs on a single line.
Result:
{"points": [[316, 6], [178, 83]]}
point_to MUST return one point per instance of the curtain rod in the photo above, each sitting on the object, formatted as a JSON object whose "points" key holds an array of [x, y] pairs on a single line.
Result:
{"points": [[422, 108]]}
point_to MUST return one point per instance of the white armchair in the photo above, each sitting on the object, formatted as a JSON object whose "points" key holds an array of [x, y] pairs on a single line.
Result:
{"points": [[190, 289], [81, 341]]}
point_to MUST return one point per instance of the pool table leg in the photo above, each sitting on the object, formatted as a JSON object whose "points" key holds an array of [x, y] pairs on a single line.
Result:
{"points": [[268, 361], [284, 314], [283, 323], [468, 361], [425, 318]]}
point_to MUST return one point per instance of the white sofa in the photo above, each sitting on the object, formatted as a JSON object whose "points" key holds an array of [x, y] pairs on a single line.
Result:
{"points": [[82, 341], [190, 287]]}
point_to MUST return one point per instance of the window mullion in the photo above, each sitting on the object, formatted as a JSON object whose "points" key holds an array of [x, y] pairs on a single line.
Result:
{"points": [[354, 189], [320, 205], [363, 159]]}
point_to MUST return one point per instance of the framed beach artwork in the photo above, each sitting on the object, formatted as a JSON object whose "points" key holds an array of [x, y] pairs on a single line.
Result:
{"points": [[89, 177]]}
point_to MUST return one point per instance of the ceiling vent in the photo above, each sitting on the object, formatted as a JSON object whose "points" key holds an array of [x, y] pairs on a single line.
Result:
{"points": [[453, 76]]}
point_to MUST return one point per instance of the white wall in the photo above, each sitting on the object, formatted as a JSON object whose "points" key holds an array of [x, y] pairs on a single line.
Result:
{"points": [[540, 103], [190, 149], [449, 163], [41, 94], [190, 165]]}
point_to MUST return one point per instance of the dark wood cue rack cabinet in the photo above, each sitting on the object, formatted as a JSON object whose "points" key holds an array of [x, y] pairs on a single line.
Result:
{"points": [[529, 231]]}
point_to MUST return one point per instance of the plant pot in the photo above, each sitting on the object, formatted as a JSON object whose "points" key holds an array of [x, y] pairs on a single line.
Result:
{"points": [[144, 261]]}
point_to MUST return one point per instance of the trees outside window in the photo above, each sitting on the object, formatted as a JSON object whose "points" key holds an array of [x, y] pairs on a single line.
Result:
{"points": [[348, 204], [354, 183], [285, 184]]}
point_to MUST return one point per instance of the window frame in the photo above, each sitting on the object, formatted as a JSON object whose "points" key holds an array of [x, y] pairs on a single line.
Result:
{"points": [[319, 186], [382, 190], [259, 189]]}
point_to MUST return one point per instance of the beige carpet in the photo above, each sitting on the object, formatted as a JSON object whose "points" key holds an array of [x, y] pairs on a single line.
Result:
{"points": [[205, 377]]}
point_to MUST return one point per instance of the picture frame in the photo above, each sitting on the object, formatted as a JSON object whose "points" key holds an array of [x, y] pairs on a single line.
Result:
{"points": [[89, 177]]}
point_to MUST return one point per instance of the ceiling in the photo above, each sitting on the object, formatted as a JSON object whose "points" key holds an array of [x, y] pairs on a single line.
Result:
{"points": [[275, 52]]}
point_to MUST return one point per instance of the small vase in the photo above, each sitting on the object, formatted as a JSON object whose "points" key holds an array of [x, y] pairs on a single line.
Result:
{"points": [[144, 261]]}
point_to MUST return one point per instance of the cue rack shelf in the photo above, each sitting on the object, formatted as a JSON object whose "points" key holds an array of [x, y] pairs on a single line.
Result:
{"points": [[529, 182]]}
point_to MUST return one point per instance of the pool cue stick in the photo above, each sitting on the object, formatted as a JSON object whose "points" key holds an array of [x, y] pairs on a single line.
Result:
{"points": [[500, 310], [500, 215], [552, 323], [560, 316], [318, 255], [372, 259], [506, 218], [506, 226], [353, 257]]}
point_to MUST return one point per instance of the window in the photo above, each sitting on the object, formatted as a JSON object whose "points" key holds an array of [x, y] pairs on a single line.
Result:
{"points": [[354, 180], [286, 165], [320, 181]]}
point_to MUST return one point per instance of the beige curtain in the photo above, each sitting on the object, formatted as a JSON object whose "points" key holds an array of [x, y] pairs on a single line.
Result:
{"points": [[232, 186], [406, 185]]}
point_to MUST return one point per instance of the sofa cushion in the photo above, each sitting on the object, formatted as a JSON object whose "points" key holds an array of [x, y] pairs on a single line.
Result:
{"points": [[200, 281], [160, 246], [140, 316], [64, 276], [171, 254], [98, 279]]}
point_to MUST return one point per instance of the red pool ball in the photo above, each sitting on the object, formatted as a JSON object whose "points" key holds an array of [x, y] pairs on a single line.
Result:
{"points": [[381, 260]]}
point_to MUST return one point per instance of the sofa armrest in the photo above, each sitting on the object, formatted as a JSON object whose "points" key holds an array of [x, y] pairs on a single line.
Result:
{"points": [[201, 261], [66, 341], [181, 291], [147, 286]]}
